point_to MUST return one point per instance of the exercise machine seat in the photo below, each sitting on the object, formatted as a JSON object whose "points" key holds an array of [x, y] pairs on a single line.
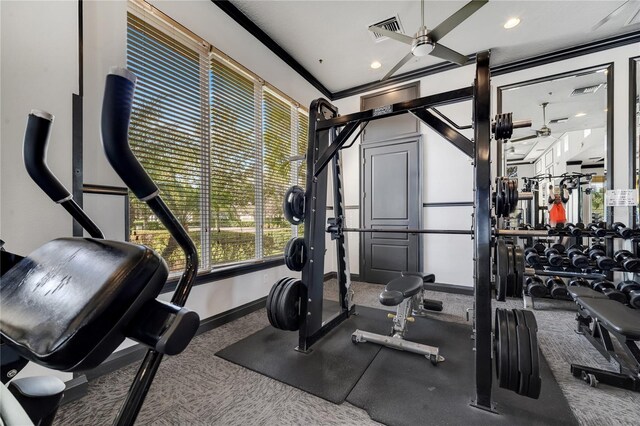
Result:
{"points": [[426, 278], [407, 285], [68, 304], [576, 291], [391, 298], [615, 316]]}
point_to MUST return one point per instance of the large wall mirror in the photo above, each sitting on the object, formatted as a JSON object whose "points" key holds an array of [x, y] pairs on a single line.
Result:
{"points": [[564, 156], [634, 130]]}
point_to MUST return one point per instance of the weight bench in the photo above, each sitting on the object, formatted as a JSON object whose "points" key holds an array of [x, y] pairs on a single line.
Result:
{"points": [[405, 292], [599, 319]]}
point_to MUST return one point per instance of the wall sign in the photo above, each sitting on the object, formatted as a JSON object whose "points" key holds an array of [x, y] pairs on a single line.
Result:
{"points": [[622, 198]]}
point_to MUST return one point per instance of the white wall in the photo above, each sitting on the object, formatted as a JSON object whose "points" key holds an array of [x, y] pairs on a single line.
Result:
{"points": [[38, 70], [448, 174]]}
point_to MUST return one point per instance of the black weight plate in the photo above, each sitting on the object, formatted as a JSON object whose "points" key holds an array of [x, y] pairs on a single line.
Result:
{"points": [[288, 308], [513, 372], [511, 275], [275, 288], [524, 353], [272, 307], [275, 303], [535, 382], [293, 205], [279, 313], [514, 193], [501, 348], [295, 254], [519, 259], [270, 298], [503, 271]]}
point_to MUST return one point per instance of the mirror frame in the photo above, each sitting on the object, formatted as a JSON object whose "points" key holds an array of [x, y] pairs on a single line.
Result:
{"points": [[609, 162], [634, 91]]}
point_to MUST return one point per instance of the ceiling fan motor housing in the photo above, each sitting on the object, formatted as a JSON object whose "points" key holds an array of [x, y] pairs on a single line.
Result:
{"points": [[422, 44]]}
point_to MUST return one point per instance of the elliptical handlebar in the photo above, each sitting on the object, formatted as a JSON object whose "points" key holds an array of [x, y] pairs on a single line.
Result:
{"points": [[116, 114], [34, 152]]}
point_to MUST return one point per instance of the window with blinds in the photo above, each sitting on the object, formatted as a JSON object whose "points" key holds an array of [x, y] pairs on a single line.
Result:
{"points": [[166, 133], [216, 139]]}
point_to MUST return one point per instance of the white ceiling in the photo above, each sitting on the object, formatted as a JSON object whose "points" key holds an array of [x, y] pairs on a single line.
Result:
{"points": [[336, 31], [525, 101]]}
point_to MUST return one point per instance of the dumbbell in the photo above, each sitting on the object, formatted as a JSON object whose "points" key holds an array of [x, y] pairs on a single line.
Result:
{"points": [[574, 230], [622, 230], [577, 257], [539, 247], [596, 252], [560, 247], [607, 288], [532, 256], [627, 260], [535, 287], [551, 230], [632, 290], [579, 282], [557, 288], [597, 229], [554, 257]]}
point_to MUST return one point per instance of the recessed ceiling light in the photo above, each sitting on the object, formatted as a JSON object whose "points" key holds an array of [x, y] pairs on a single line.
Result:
{"points": [[581, 114], [375, 65], [512, 22]]}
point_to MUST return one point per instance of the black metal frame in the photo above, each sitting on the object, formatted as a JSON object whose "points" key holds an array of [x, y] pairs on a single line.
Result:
{"points": [[634, 92], [325, 141], [628, 365]]}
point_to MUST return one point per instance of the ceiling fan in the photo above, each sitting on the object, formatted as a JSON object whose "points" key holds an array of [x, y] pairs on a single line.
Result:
{"points": [[542, 132], [425, 41]]}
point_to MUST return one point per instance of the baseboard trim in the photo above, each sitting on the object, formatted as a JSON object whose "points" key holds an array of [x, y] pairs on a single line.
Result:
{"points": [[441, 287], [334, 275], [451, 288], [75, 389], [232, 314]]}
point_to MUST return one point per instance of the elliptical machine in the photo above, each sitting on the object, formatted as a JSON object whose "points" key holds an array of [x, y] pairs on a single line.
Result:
{"points": [[70, 303]]}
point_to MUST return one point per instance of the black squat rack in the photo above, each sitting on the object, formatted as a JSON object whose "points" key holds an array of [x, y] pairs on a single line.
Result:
{"points": [[328, 135]]}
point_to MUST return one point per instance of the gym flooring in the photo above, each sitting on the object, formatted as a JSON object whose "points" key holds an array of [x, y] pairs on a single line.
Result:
{"points": [[198, 387]]}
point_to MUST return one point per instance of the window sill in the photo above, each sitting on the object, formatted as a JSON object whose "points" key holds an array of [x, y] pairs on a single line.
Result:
{"points": [[227, 272]]}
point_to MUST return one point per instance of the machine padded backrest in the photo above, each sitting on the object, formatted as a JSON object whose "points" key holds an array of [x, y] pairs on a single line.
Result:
{"points": [[66, 306]]}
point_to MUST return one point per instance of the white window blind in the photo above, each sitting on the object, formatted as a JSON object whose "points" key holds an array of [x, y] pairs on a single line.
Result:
{"points": [[216, 139]]}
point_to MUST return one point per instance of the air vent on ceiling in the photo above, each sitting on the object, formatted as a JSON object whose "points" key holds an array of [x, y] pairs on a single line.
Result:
{"points": [[586, 90], [559, 120], [389, 24]]}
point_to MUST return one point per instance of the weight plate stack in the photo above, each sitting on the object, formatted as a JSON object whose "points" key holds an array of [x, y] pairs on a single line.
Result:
{"points": [[293, 205], [295, 254], [518, 255], [516, 352], [511, 275], [284, 304], [502, 267]]}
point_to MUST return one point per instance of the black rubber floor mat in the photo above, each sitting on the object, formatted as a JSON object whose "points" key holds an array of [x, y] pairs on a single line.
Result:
{"points": [[330, 371], [401, 388]]}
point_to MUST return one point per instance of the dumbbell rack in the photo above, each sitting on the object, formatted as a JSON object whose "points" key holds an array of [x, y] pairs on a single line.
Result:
{"points": [[591, 273]]}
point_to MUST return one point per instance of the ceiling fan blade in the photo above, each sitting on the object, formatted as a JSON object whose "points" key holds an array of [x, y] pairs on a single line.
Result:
{"points": [[398, 66], [456, 19], [391, 34], [526, 138], [439, 51], [609, 16]]}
